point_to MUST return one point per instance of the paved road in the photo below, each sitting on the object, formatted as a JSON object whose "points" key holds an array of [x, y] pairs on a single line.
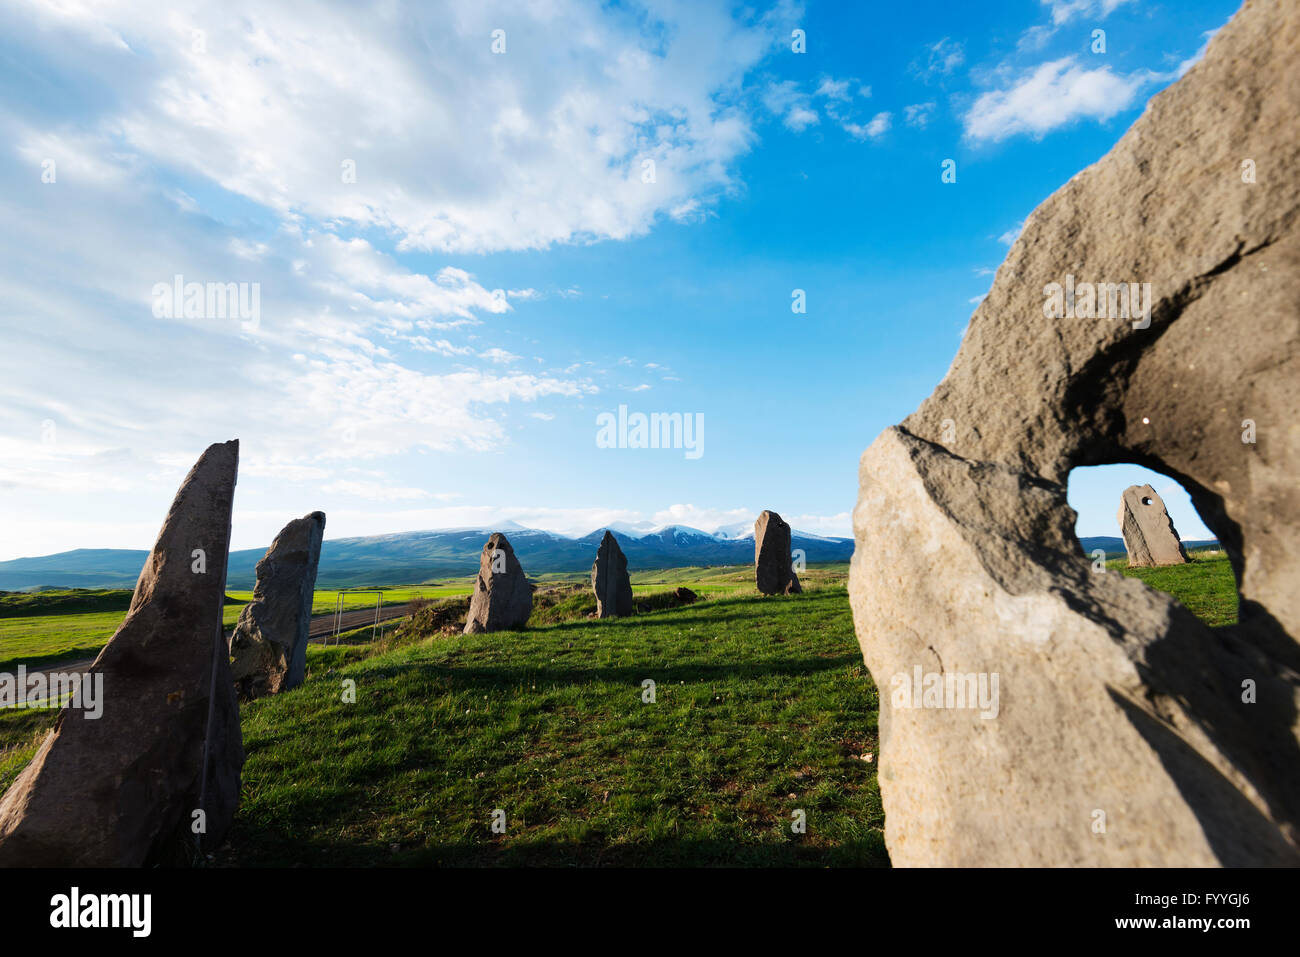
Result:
{"points": [[322, 627]]}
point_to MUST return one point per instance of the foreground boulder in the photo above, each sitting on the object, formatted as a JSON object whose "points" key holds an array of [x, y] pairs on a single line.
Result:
{"points": [[1149, 534], [122, 790], [609, 579], [268, 649], [1034, 711], [502, 597], [773, 568]]}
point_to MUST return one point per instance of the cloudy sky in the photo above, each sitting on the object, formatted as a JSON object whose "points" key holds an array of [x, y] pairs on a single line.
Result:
{"points": [[473, 227]]}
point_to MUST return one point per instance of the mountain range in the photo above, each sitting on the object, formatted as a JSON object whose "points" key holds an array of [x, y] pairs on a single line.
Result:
{"points": [[413, 557]]}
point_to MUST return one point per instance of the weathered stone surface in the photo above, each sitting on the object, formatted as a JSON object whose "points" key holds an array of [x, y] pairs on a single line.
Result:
{"points": [[1116, 707], [121, 790], [268, 648], [502, 597], [685, 595], [1149, 534], [773, 567], [609, 579]]}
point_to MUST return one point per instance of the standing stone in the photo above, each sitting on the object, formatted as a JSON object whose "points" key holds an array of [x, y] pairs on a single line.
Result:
{"points": [[1149, 534], [1122, 731], [773, 566], [269, 645], [502, 597], [122, 790], [609, 579]]}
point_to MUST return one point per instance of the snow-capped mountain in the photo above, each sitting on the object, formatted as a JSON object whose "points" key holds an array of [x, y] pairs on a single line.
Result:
{"points": [[406, 557]]}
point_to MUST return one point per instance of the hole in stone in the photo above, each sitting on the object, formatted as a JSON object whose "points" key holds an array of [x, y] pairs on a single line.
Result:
{"points": [[1205, 583]]}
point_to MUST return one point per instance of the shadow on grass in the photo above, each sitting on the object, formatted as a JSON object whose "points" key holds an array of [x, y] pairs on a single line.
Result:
{"points": [[741, 608], [454, 675], [252, 846], [42, 662]]}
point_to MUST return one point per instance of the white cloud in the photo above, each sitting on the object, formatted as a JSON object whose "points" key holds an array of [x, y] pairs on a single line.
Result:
{"points": [[1035, 38], [941, 58], [1052, 95], [838, 525], [799, 109], [442, 347], [834, 89], [454, 148], [877, 126], [705, 519], [1012, 234], [373, 491], [800, 118], [1064, 11], [918, 114], [787, 101], [1195, 58]]}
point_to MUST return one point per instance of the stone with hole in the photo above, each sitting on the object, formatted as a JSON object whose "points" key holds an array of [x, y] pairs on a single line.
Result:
{"points": [[1149, 534], [1034, 711]]}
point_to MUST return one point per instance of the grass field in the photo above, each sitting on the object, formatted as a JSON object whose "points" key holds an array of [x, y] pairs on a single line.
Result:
{"points": [[1205, 585], [323, 602], [74, 625], [762, 708], [46, 627]]}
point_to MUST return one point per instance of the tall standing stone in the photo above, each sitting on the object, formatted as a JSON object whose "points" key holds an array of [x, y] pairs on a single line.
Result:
{"points": [[123, 790], [609, 579], [773, 566], [1122, 730], [502, 597], [268, 649], [1149, 534]]}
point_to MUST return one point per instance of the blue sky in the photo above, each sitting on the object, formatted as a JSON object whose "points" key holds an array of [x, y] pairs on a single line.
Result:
{"points": [[437, 337]]}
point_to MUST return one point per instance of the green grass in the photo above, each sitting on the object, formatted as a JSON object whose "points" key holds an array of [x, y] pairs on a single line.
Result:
{"points": [[323, 602], [42, 628], [21, 732], [58, 635], [63, 601], [1205, 585], [53, 625], [763, 707]]}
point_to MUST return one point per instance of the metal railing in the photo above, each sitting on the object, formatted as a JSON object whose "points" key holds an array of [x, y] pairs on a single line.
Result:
{"points": [[338, 610]]}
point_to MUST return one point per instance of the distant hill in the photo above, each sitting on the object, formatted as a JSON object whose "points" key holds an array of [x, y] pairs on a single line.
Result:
{"points": [[407, 557], [418, 556], [1114, 547]]}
